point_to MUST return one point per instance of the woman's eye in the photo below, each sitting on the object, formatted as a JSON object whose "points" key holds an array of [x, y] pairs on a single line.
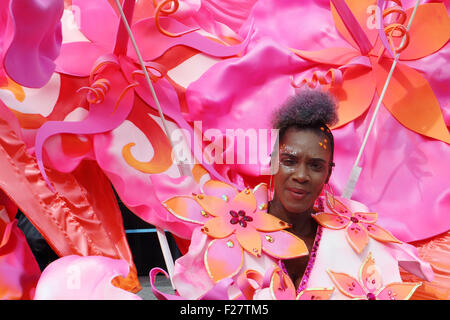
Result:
{"points": [[288, 162], [317, 166]]}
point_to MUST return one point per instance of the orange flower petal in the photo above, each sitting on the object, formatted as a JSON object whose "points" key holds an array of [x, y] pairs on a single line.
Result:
{"points": [[398, 291], [213, 205], [315, 294], [366, 217], [370, 275], [249, 239], [218, 228], [347, 285], [187, 209], [219, 189], [245, 200], [380, 234], [261, 192], [332, 56], [331, 220], [359, 9], [337, 206], [267, 222], [357, 237], [430, 31], [283, 245], [223, 258], [355, 94], [281, 286], [411, 100]]}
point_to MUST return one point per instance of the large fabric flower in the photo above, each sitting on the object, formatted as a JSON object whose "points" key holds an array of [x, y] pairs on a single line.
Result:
{"points": [[358, 225], [237, 221], [365, 63], [370, 285]]}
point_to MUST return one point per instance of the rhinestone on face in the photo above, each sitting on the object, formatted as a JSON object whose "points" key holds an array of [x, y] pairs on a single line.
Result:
{"points": [[225, 198], [247, 191], [230, 244], [203, 212], [263, 206], [269, 239]]}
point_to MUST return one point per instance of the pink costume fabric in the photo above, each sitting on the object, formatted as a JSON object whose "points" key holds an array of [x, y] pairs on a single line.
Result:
{"points": [[74, 103]]}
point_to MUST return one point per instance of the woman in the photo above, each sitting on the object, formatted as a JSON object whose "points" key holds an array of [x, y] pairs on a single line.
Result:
{"points": [[305, 243], [305, 162]]}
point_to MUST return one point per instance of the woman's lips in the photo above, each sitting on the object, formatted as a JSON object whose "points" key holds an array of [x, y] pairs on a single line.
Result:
{"points": [[298, 194]]}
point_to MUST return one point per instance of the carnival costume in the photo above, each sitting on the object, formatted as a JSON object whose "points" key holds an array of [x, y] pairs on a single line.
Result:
{"points": [[238, 249]]}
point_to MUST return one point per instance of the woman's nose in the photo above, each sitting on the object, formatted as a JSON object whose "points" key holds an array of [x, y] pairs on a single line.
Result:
{"points": [[301, 173]]}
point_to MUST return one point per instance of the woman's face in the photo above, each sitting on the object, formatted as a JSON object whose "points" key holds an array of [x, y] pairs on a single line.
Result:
{"points": [[303, 169]]}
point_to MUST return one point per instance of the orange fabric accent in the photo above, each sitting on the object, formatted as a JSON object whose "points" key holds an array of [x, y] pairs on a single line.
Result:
{"points": [[162, 157], [15, 88], [355, 94], [436, 251], [359, 10], [73, 146], [430, 31], [406, 97]]}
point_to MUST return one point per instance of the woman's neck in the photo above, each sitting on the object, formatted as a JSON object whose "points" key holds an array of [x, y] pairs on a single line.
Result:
{"points": [[303, 224]]}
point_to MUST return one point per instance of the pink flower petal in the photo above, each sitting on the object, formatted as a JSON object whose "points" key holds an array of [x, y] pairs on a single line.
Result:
{"points": [[219, 189], [331, 220], [218, 228], [315, 294], [366, 217], [357, 237], [249, 239], [347, 285], [398, 291], [283, 245], [261, 194], [187, 209], [223, 258], [245, 200], [380, 234], [281, 286], [370, 275]]}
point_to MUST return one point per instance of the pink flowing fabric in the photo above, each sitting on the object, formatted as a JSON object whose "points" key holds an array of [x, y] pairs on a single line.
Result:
{"points": [[410, 194], [83, 278], [31, 54]]}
